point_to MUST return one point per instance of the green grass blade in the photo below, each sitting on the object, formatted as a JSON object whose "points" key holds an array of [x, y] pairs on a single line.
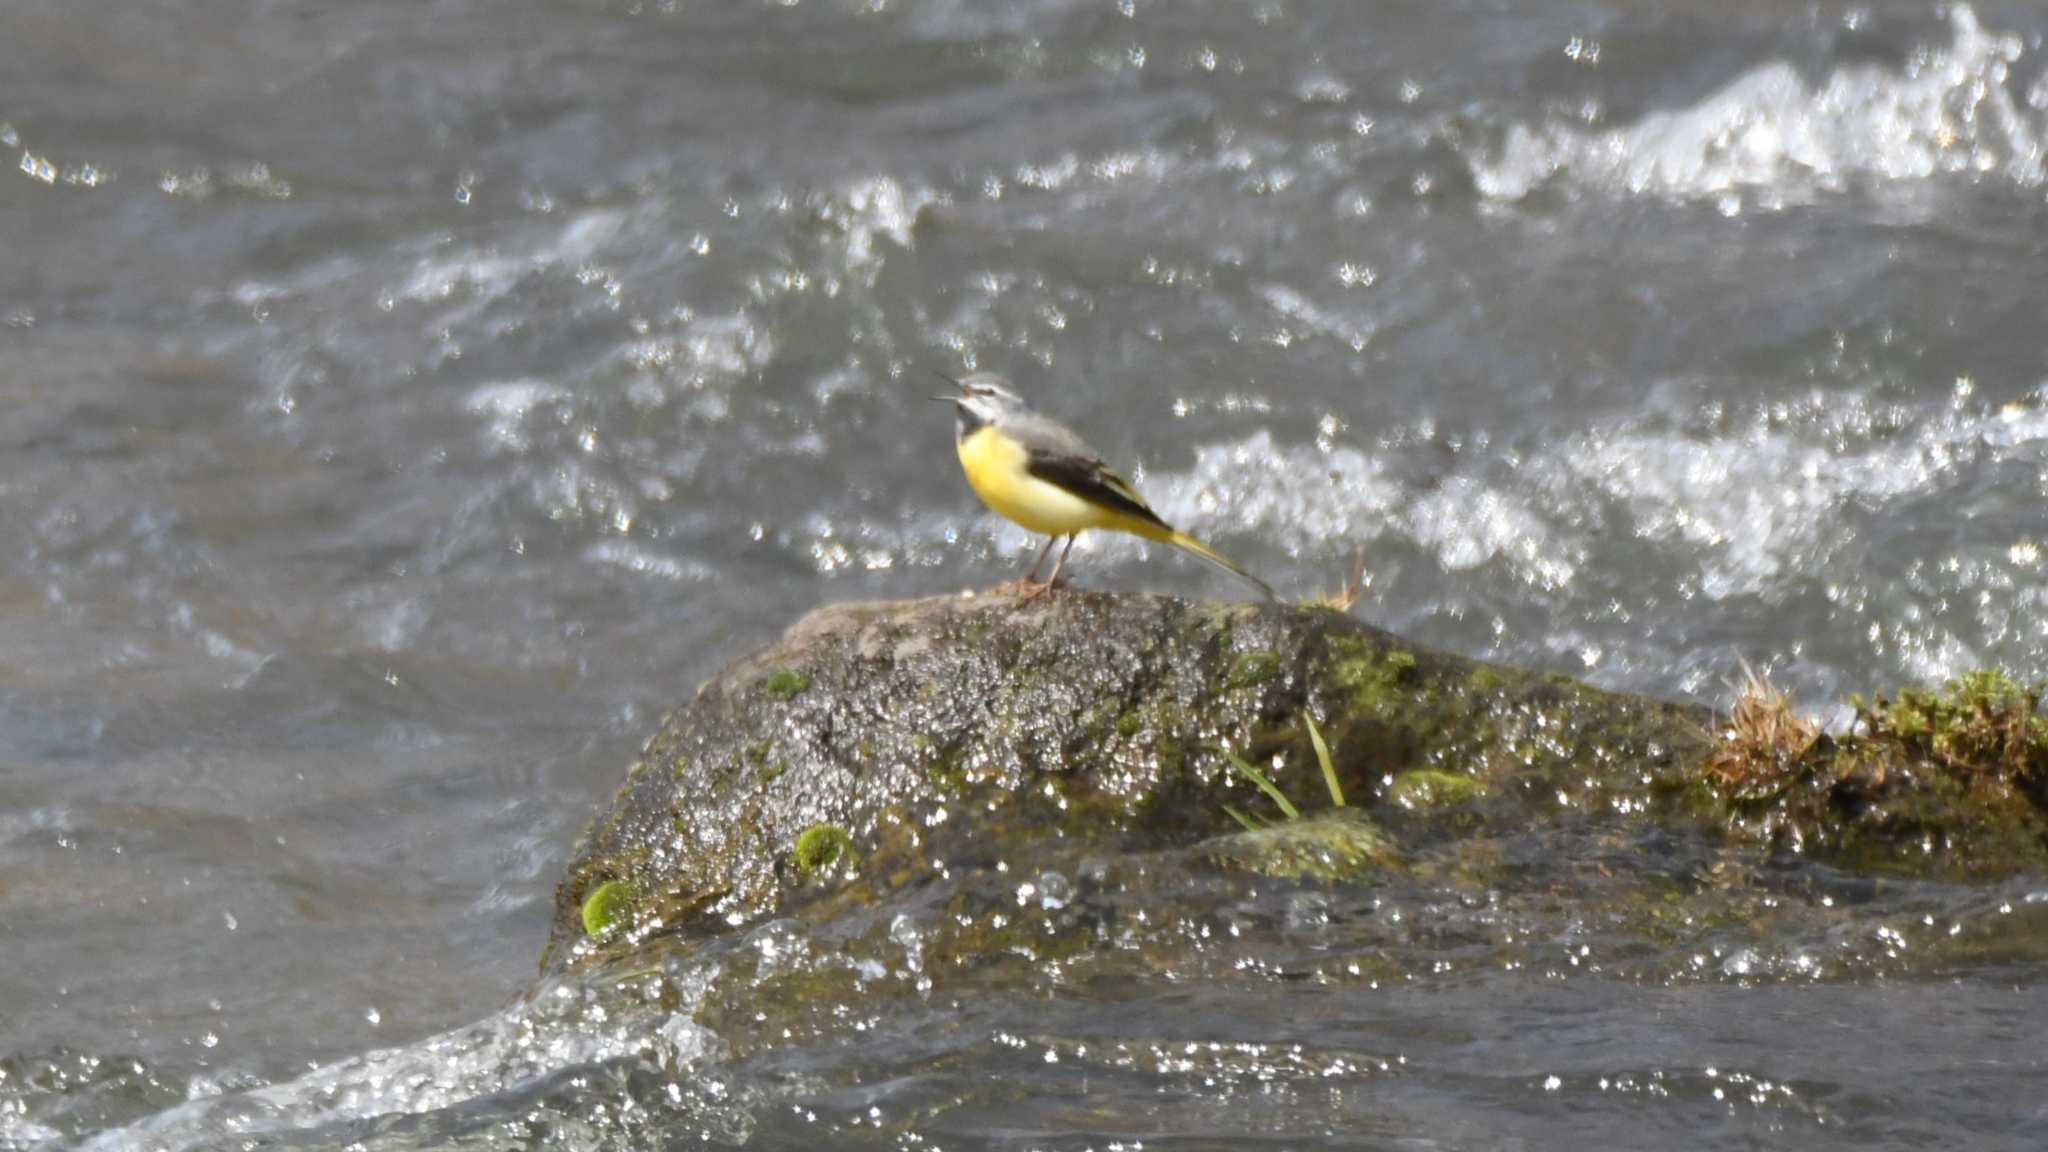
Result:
{"points": [[1241, 818], [1259, 778], [1315, 736]]}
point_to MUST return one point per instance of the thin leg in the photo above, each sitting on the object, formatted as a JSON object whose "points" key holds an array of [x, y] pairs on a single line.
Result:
{"points": [[1061, 563], [1032, 589], [1032, 576]]}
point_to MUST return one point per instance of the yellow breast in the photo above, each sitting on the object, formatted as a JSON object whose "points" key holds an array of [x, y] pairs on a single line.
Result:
{"points": [[994, 464]]}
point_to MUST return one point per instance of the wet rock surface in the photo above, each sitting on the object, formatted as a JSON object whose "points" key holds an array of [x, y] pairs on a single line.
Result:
{"points": [[883, 748]]}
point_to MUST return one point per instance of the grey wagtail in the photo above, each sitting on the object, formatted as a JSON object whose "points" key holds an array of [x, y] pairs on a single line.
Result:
{"points": [[1037, 473]]}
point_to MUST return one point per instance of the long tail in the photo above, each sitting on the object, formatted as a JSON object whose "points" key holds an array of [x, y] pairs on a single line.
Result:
{"points": [[1188, 543]]}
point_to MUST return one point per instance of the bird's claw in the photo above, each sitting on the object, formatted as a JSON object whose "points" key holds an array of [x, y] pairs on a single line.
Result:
{"points": [[1027, 591]]}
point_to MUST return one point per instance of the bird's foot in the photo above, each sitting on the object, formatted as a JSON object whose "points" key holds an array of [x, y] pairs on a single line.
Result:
{"points": [[1028, 590]]}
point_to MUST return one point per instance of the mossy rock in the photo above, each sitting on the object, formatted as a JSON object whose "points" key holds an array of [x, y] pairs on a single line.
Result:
{"points": [[784, 684], [960, 729], [1426, 788], [1254, 668], [1337, 845]]}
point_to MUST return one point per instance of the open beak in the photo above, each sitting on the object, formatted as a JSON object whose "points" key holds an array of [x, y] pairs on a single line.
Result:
{"points": [[956, 398]]}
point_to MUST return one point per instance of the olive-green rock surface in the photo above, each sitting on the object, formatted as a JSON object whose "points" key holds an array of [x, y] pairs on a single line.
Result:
{"points": [[882, 746]]}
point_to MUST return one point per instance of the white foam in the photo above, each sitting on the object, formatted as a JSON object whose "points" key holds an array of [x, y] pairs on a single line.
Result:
{"points": [[1296, 306], [505, 405], [1468, 523], [1308, 499], [1761, 514], [1757, 510], [643, 561], [1950, 110], [483, 275], [1299, 495], [561, 1028], [877, 206]]}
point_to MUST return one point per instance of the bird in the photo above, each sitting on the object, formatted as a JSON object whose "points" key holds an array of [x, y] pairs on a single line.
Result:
{"points": [[1040, 475]]}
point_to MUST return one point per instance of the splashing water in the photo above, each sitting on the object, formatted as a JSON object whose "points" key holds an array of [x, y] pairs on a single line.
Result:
{"points": [[417, 459], [1951, 111]]}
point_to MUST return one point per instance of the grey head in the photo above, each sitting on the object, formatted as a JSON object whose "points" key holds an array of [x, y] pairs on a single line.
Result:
{"points": [[984, 398]]}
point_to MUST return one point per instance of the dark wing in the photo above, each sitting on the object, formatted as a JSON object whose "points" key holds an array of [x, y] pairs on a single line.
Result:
{"points": [[1090, 479]]}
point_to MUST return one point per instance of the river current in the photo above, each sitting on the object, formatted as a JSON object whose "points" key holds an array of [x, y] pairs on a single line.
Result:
{"points": [[402, 405]]}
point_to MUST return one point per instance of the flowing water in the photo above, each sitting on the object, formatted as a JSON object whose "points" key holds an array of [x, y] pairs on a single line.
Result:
{"points": [[402, 404]]}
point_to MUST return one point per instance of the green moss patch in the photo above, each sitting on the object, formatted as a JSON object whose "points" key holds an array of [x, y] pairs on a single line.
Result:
{"points": [[785, 684], [1374, 680], [819, 849], [1962, 770], [609, 906], [1430, 788], [1339, 845], [1253, 669], [1982, 724]]}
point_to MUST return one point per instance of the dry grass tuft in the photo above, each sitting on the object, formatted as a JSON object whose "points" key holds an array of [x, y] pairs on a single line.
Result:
{"points": [[1352, 590], [1763, 741]]}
